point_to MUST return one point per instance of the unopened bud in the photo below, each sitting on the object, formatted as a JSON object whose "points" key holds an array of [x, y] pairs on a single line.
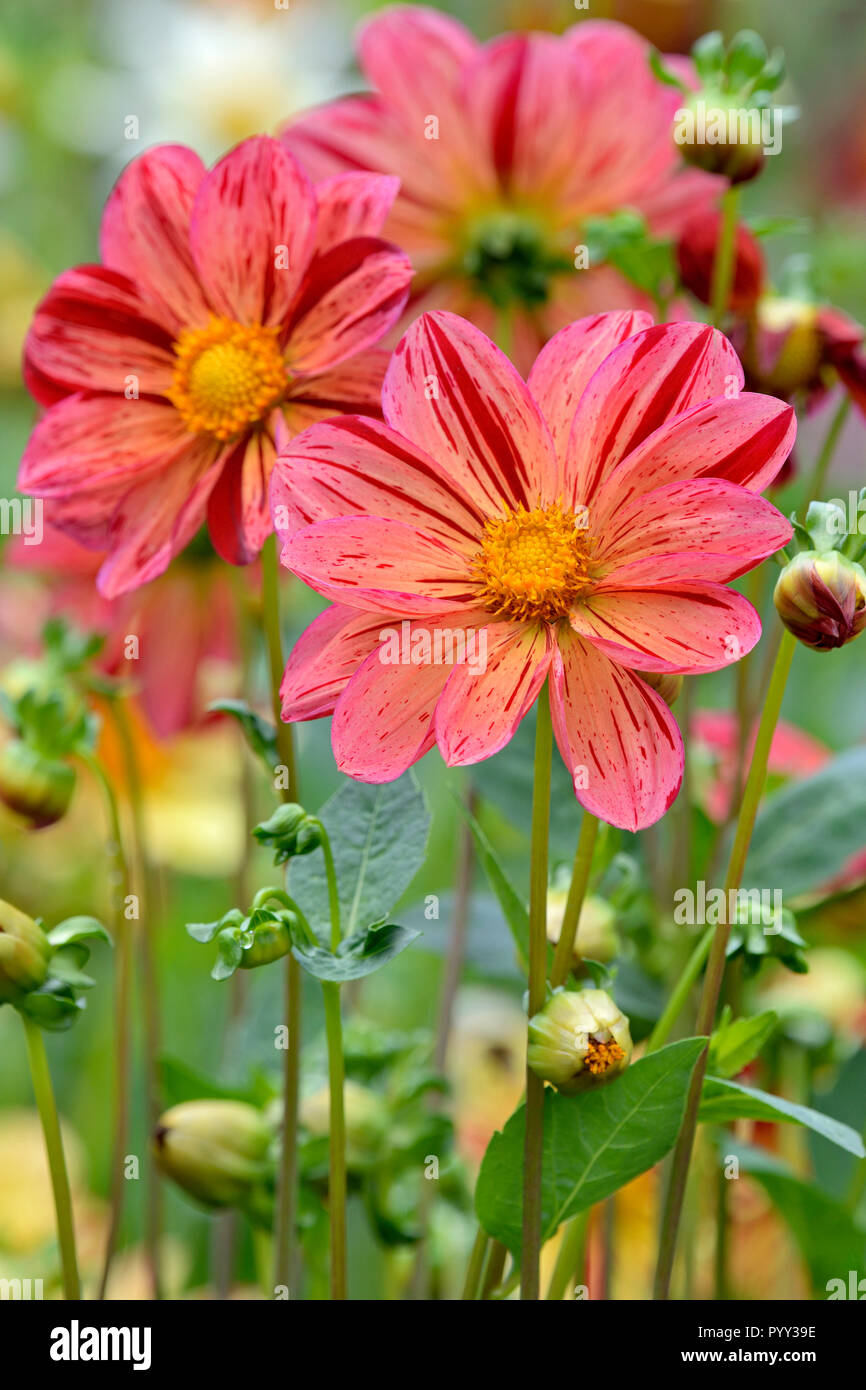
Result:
{"points": [[579, 1040], [366, 1114], [34, 786], [696, 257], [596, 936], [24, 954], [735, 159], [821, 599], [216, 1150], [289, 831]]}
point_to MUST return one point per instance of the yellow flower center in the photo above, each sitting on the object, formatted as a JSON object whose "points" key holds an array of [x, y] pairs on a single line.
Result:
{"points": [[227, 376], [533, 564], [601, 1056]]}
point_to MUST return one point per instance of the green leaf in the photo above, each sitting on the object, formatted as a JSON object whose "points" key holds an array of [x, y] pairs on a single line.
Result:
{"points": [[723, 1101], [805, 833], [76, 929], [594, 1143], [514, 909], [379, 838], [180, 1082], [663, 73], [229, 954], [830, 1241], [259, 733], [358, 955], [734, 1045], [206, 931]]}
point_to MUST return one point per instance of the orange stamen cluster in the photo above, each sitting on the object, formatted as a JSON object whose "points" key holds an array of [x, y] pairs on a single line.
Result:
{"points": [[533, 564], [227, 376], [601, 1056]]}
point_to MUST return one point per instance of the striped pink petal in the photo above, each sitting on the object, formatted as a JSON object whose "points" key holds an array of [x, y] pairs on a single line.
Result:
{"points": [[457, 397], [649, 378], [352, 387], [681, 627], [617, 738], [383, 721], [564, 366], [479, 710], [744, 440], [375, 564], [351, 296], [703, 529], [238, 514], [324, 659], [253, 231], [352, 204], [145, 233], [357, 466], [93, 332]]}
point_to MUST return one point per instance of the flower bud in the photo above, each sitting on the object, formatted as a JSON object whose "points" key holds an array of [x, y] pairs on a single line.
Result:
{"points": [[289, 831], [216, 1150], [734, 159], [34, 786], [579, 1040], [271, 940], [821, 598], [696, 256], [596, 936], [785, 347], [366, 1114], [24, 954], [664, 683]]}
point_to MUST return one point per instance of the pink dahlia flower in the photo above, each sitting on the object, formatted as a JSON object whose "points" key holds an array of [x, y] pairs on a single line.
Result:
{"points": [[578, 528], [502, 150], [229, 304]]}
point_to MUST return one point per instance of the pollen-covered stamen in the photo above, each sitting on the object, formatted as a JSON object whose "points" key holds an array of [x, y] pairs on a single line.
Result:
{"points": [[227, 376], [601, 1056], [533, 564]]}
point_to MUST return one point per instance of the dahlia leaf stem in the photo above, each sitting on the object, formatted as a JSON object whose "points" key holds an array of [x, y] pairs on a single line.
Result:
{"points": [[534, 1143], [45, 1104], [723, 263], [564, 953], [716, 964]]}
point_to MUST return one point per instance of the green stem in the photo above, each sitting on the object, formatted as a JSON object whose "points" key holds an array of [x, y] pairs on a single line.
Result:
{"points": [[716, 965], [563, 956], [493, 1269], [723, 264], [570, 1257], [475, 1267], [532, 1156], [119, 879], [287, 1178], [44, 1095], [337, 1171], [680, 994], [828, 448]]}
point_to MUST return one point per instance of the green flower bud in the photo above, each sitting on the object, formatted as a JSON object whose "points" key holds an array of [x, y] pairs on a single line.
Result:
{"points": [[289, 831], [216, 1150], [366, 1121], [596, 928], [735, 159], [34, 786], [579, 1040], [821, 599], [271, 939], [664, 683], [24, 954]]}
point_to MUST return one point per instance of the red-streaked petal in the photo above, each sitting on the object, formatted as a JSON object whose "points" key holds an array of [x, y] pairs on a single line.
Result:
{"points": [[380, 565], [687, 627], [238, 514], [357, 466], [351, 296], [487, 696], [643, 383], [457, 397], [564, 366], [352, 388], [253, 231], [351, 205], [93, 332], [744, 440], [87, 441], [324, 658], [617, 737], [145, 232], [702, 529], [383, 721]]}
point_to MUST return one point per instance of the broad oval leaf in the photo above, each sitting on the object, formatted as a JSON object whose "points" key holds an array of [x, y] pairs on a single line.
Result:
{"points": [[358, 955]]}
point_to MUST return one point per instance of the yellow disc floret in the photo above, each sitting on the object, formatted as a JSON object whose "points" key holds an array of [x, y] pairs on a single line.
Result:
{"points": [[601, 1056], [227, 376], [533, 564]]}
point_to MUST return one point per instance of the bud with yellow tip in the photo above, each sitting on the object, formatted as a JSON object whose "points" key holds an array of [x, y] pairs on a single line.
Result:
{"points": [[578, 1040]]}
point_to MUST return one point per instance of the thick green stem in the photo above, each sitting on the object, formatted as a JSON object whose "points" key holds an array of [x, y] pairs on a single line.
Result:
{"points": [[532, 1155], [680, 994], [564, 954], [44, 1095], [287, 1178], [723, 265], [337, 1171], [119, 880], [716, 965], [570, 1257]]}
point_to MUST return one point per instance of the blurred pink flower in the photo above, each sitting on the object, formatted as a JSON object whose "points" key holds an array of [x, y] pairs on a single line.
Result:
{"points": [[228, 305], [502, 150], [793, 753], [583, 525]]}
